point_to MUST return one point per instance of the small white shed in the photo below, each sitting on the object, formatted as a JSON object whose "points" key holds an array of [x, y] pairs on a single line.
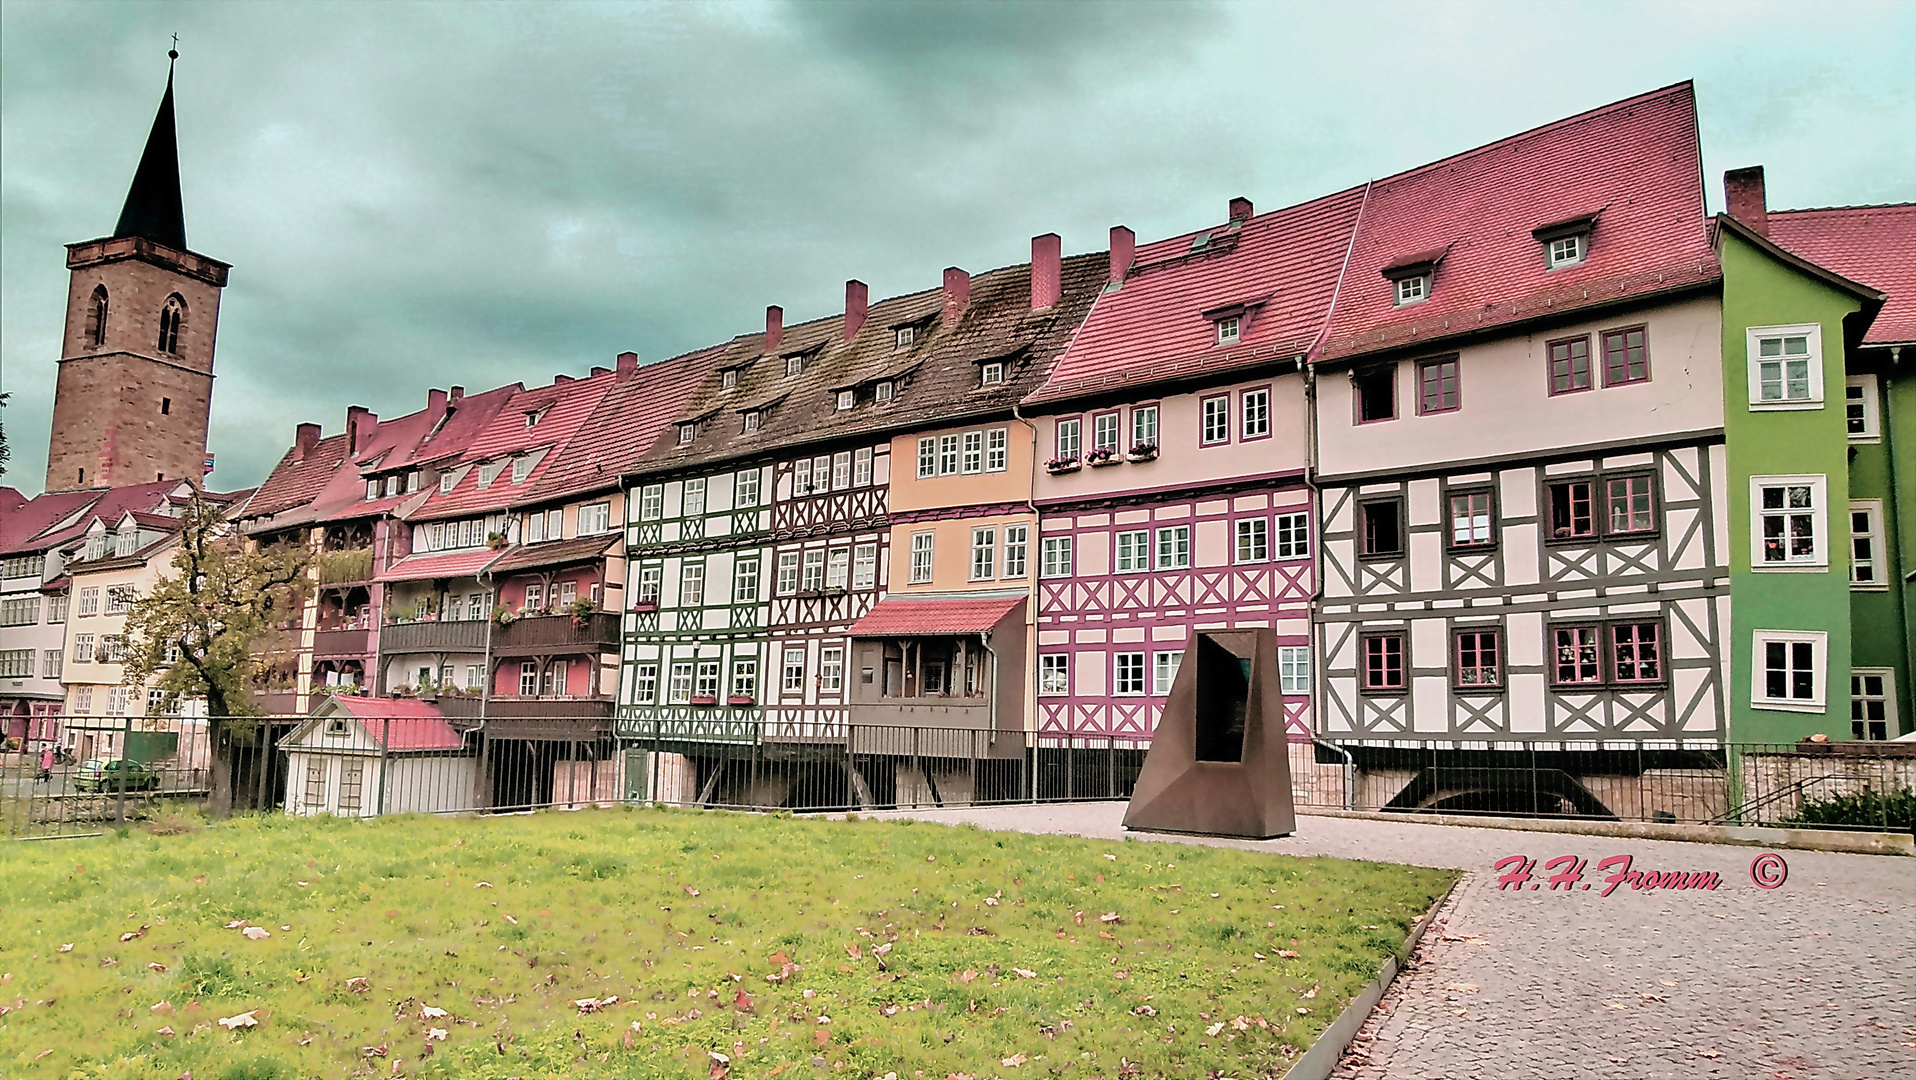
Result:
{"points": [[365, 756]]}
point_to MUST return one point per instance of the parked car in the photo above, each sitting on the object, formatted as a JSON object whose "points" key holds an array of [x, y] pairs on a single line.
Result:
{"points": [[115, 774]]}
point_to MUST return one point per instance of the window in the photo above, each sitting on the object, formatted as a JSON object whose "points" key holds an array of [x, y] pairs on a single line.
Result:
{"points": [[1293, 536], [679, 690], [862, 466], [1786, 366], [1872, 703], [1437, 385], [996, 441], [83, 648], [83, 699], [794, 678], [57, 607], [1017, 542], [534, 527], [595, 518], [814, 578], [745, 677], [96, 546], [901, 337], [352, 777], [831, 669], [1216, 421], [1164, 671], [532, 417], [1413, 290], [1626, 356], [794, 365], [1786, 522], [1630, 504], [927, 458], [16, 664], [991, 374], [787, 572], [947, 455], [20, 566], [745, 581], [1129, 678], [687, 432], [1566, 250], [90, 600], [822, 472], [20, 611], [1227, 330], [1860, 405], [1255, 410], [973, 460], [1104, 432], [864, 566], [1383, 664], [1571, 514], [528, 678], [1569, 365], [1636, 652], [1134, 551], [1574, 659], [1174, 547], [1253, 540], [847, 398], [652, 502], [120, 598], [1865, 545], [1294, 670], [705, 683], [535, 598], [802, 477], [1054, 674], [883, 392], [837, 568], [649, 579], [1068, 440], [1057, 557], [166, 406], [842, 470], [475, 677], [1470, 520], [984, 553], [1380, 529], [1376, 392], [728, 379], [1790, 670], [750, 422], [96, 318], [1144, 427], [1477, 660], [170, 318], [52, 662], [921, 557]]}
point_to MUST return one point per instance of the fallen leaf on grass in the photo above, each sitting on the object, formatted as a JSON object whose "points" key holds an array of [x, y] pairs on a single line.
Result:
{"points": [[967, 975], [161, 968], [68, 947], [1214, 1029], [1288, 954], [358, 984], [243, 1020], [1013, 1061], [373, 1051], [161, 1007], [690, 891], [1302, 1011], [435, 1034], [131, 934], [168, 1031], [1260, 956], [1312, 992], [854, 951], [1113, 858], [1025, 973], [1654, 997], [236, 924], [482, 884], [512, 920], [1110, 917], [257, 933], [991, 901], [427, 1012]]}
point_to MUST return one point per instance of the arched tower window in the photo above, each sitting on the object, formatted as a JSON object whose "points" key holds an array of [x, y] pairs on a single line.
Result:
{"points": [[171, 316], [96, 318]]}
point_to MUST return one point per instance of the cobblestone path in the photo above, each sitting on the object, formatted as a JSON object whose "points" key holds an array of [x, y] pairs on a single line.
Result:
{"points": [[1812, 980]]}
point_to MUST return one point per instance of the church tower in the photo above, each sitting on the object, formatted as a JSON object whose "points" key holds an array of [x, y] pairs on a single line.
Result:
{"points": [[136, 365]]}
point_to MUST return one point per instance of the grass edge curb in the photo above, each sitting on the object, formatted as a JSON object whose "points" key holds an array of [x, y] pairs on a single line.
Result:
{"points": [[1321, 1059]]}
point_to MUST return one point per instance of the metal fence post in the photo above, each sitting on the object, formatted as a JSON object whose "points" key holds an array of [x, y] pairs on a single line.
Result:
{"points": [[126, 738]]}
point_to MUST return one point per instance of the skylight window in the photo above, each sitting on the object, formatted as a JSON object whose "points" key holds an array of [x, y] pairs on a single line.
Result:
{"points": [[883, 392], [1413, 290], [903, 336], [1568, 250], [991, 374], [1227, 330]]}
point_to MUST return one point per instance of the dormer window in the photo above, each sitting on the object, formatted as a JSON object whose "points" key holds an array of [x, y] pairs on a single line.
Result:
{"points": [[1567, 250], [729, 379], [902, 337], [883, 392], [687, 432], [1227, 330], [794, 365], [532, 418], [752, 421], [1413, 290], [991, 374], [394, 484], [447, 481], [846, 399], [372, 489], [521, 468]]}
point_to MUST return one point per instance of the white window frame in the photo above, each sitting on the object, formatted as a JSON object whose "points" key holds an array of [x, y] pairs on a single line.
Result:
{"points": [[947, 455], [1819, 559], [750, 422], [1128, 675], [922, 550], [1104, 432], [838, 567], [651, 502], [812, 577], [1214, 420], [903, 336], [745, 677], [794, 365], [1253, 540], [831, 669], [1568, 250], [883, 391], [1864, 406], [1291, 536], [706, 680], [1414, 289], [692, 584], [1144, 426], [1057, 557], [1294, 670], [1254, 413], [862, 467], [1229, 330], [792, 674], [745, 489], [1069, 439], [997, 443], [1872, 538], [678, 687], [595, 518], [973, 457], [687, 432], [1818, 641], [1753, 343], [1131, 551], [692, 500], [991, 374], [984, 553], [1173, 548], [1017, 550], [846, 399], [728, 379], [864, 566], [651, 584], [927, 457], [1164, 670], [842, 470], [787, 573], [1054, 674], [1888, 698], [745, 578]]}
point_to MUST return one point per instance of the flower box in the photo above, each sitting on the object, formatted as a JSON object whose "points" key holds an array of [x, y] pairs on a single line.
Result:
{"points": [[741, 699], [1060, 466], [1142, 452], [1101, 457], [704, 699], [646, 605]]}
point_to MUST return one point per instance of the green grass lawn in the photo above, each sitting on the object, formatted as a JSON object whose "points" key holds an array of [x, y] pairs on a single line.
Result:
{"points": [[794, 947]]}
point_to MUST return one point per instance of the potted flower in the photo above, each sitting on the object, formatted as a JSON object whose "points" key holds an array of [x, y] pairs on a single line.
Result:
{"points": [[740, 699], [1059, 465], [581, 612], [1100, 456], [704, 699], [496, 541], [645, 603], [1143, 451], [504, 616]]}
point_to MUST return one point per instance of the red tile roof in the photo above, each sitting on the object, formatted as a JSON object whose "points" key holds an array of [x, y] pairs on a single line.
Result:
{"points": [[563, 409], [458, 564], [108, 505], [401, 723], [1874, 245], [905, 616], [624, 426], [579, 549]]}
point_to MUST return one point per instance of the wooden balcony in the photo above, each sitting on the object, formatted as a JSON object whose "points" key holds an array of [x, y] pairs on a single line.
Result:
{"points": [[330, 643], [549, 635], [595, 708], [434, 637]]}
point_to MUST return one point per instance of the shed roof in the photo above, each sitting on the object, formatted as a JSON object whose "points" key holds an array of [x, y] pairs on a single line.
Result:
{"points": [[1875, 245], [909, 616]]}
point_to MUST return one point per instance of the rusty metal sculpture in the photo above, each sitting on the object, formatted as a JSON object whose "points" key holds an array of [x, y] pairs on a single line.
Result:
{"points": [[1219, 763]]}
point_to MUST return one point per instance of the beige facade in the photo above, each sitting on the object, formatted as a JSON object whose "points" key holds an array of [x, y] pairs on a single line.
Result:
{"points": [[96, 629]]}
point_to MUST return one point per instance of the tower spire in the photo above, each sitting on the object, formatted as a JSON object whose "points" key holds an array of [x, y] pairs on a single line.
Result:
{"points": [[154, 209]]}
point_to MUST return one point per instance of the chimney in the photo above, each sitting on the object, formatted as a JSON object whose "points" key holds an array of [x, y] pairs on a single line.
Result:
{"points": [[628, 361], [598, 371], [1744, 198], [856, 294], [957, 294], [774, 327], [456, 393], [1124, 246], [1044, 270], [360, 423], [305, 437], [561, 379], [1240, 209], [435, 400]]}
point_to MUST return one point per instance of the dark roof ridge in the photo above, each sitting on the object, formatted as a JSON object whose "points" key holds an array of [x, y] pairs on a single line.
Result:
{"points": [[1845, 208]]}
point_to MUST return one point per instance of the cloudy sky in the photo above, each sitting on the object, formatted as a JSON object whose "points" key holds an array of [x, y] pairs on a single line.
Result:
{"points": [[414, 195]]}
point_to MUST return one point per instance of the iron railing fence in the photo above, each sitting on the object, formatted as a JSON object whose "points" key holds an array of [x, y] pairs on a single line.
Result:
{"points": [[115, 770]]}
